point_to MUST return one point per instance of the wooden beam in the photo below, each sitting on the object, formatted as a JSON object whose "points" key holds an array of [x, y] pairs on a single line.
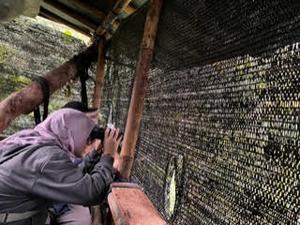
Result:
{"points": [[24, 101], [100, 72], [48, 15], [129, 205], [68, 15], [111, 23], [88, 9], [129, 10], [120, 6], [139, 89]]}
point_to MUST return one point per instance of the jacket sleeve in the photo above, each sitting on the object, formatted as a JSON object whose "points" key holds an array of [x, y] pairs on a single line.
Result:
{"points": [[60, 180], [89, 161]]}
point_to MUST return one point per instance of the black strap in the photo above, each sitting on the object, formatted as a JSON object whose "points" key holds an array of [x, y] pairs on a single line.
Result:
{"points": [[83, 62], [84, 76], [43, 82]]}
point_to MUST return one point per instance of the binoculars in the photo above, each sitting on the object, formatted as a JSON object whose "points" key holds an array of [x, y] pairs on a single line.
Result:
{"points": [[98, 133]]}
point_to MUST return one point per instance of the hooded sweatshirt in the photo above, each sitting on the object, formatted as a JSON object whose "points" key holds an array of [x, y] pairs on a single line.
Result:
{"points": [[36, 167]]}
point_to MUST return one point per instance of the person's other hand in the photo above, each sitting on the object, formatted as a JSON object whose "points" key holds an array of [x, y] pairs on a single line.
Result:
{"points": [[94, 145], [97, 145], [111, 141], [116, 161]]}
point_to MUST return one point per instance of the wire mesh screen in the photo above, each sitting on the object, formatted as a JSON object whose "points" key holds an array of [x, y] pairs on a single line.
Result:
{"points": [[219, 141]]}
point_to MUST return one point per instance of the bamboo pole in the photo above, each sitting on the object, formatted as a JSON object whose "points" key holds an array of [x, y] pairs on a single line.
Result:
{"points": [[139, 88], [100, 72]]}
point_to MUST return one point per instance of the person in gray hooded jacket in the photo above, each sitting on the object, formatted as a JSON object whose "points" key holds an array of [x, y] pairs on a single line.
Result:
{"points": [[36, 168]]}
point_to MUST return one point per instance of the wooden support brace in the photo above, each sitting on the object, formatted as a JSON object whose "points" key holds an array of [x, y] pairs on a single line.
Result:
{"points": [[24, 101], [138, 93], [111, 19]]}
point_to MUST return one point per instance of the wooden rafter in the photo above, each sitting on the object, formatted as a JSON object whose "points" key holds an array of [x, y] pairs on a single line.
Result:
{"points": [[89, 19], [111, 21], [89, 9], [68, 15], [50, 16]]}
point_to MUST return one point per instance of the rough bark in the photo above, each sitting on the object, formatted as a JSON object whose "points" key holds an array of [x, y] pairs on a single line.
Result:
{"points": [[24, 101]]}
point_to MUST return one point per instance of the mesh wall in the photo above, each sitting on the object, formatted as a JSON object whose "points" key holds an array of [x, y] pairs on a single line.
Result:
{"points": [[219, 141]]}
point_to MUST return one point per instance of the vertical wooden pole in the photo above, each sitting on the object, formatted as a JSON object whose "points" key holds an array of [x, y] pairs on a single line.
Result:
{"points": [[96, 103], [100, 71], [139, 88]]}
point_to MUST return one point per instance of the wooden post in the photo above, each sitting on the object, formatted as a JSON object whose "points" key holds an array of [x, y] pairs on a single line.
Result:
{"points": [[96, 103], [100, 72], [139, 88], [26, 100]]}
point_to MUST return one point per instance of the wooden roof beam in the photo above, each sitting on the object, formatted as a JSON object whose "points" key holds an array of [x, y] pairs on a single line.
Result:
{"points": [[48, 15], [88, 9], [120, 6], [111, 21], [70, 16]]}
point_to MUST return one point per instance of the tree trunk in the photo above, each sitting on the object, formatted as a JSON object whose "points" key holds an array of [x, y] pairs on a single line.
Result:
{"points": [[24, 101]]}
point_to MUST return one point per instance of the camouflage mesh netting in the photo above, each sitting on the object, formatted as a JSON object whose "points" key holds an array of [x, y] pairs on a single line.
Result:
{"points": [[219, 141]]}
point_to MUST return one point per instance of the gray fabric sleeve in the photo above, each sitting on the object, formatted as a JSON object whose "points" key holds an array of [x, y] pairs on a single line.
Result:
{"points": [[89, 161], [62, 181]]}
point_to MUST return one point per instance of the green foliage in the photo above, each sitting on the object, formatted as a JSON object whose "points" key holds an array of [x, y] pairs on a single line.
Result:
{"points": [[68, 36], [11, 83], [5, 53], [55, 104]]}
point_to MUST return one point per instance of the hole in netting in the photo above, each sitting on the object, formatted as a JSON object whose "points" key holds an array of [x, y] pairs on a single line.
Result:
{"points": [[172, 186]]}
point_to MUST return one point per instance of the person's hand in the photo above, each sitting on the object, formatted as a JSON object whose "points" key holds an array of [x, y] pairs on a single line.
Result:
{"points": [[116, 161], [111, 141], [97, 145], [94, 145]]}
